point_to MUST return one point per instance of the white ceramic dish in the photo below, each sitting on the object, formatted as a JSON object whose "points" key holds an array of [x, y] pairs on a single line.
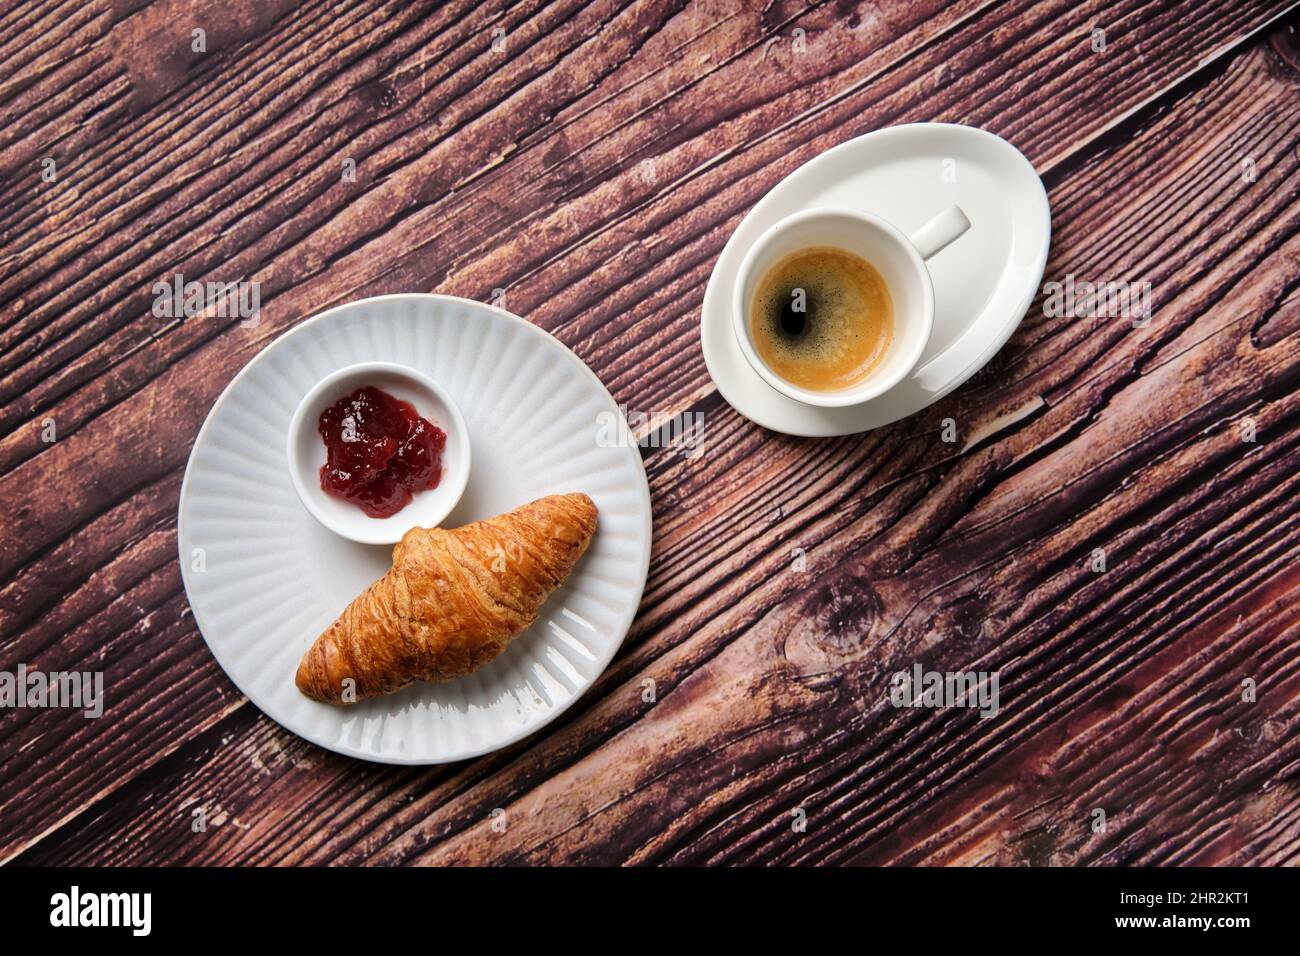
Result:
{"points": [[306, 452], [983, 283], [264, 577]]}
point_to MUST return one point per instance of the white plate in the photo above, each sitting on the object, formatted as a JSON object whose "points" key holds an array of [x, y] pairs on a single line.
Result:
{"points": [[983, 282], [273, 577]]}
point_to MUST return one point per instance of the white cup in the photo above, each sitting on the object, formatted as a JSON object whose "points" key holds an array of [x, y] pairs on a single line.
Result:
{"points": [[899, 259]]}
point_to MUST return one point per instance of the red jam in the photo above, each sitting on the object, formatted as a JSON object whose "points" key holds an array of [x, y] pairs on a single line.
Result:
{"points": [[380, 451]]}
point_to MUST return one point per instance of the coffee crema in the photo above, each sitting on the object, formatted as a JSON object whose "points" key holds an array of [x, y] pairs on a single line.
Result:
{"points": [[822, 319]]}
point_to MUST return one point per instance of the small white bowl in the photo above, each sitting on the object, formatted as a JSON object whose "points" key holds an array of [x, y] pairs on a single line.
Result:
{"points": [[306, 451]]}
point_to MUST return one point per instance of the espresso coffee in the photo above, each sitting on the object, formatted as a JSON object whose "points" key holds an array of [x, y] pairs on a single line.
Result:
{"points": [[822, 319]]}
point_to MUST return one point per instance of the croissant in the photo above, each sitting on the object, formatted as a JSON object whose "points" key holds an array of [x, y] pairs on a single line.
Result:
{"points": [[452, 601]]}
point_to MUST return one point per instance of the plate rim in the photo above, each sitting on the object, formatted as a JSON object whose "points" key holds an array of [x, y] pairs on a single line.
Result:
{"points": [[342, 748], [978, 361]]}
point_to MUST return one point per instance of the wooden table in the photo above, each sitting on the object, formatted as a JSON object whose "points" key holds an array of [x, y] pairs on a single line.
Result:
{"points": [[583, 164]]}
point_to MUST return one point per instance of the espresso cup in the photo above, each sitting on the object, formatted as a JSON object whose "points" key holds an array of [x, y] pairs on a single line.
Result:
{"points": [[898, 258]]}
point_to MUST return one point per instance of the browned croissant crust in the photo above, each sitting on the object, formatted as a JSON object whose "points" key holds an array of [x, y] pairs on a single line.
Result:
{"points": [[452, 601]]}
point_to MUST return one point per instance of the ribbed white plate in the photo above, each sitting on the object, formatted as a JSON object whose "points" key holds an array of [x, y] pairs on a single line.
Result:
{"points": [[264, 578]]}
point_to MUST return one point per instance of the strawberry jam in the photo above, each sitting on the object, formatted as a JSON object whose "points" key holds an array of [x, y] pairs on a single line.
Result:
{"points": [[380, 451]]}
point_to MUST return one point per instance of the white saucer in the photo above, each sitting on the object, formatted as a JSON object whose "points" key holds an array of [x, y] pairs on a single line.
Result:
{"points": [[983, 282], [264, 577]]}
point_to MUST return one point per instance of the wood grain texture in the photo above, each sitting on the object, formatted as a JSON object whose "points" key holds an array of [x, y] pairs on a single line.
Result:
{"points": [[593, 171]]}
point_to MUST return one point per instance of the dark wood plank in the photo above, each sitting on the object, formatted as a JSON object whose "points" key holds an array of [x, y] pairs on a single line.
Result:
{"points": [[1080, 435]]}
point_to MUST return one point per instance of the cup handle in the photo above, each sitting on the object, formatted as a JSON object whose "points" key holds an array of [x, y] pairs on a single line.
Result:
{"points": [[940, 231]]}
